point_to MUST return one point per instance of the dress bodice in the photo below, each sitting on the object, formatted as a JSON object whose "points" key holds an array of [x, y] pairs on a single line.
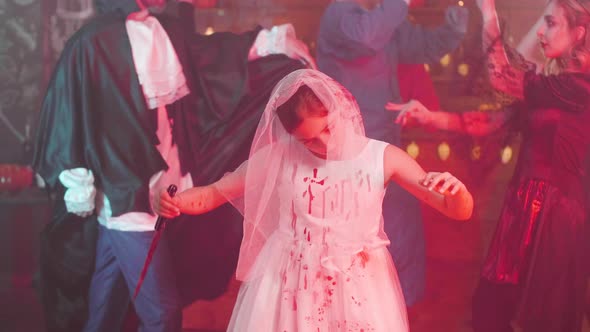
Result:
{"points": [[556, 145], [334, 202]]}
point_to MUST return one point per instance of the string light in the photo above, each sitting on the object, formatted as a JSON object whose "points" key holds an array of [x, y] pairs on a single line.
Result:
{"points": [[413, 150], [506, 154], [444, 151], [209, 31], [476, 152], [489, 107], [445, 60], [461, 3], [463, 69]]}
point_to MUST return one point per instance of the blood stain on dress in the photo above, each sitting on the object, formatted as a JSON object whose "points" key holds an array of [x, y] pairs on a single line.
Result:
{"points": [[293, 217]]}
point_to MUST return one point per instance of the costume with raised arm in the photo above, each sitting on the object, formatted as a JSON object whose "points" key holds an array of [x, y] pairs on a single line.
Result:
{"points": [[361, 49], [314, 254], [538, 259]]}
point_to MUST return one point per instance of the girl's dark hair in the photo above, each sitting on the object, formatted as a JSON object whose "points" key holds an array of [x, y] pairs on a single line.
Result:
{"points": [[302, 104]]}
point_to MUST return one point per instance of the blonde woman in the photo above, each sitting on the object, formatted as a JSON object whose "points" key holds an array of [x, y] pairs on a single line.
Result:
{"points": [[536, 270]]}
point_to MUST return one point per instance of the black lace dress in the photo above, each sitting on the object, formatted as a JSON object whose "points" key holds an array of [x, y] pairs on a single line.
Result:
{"points": [[541, 240]]}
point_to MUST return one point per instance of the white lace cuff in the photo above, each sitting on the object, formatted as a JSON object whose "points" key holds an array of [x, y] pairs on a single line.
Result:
{"points": [[80, 193], [273, 41]]}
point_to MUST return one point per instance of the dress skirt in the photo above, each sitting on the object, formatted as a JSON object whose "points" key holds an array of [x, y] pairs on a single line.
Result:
{"points": [[299, 286]]}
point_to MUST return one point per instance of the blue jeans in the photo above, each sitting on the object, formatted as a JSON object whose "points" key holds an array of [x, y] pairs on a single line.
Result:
{"points": [[119, 260]]}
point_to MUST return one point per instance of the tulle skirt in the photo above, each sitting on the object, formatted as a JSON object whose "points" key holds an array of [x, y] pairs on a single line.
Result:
{"points": [[298, 288]]}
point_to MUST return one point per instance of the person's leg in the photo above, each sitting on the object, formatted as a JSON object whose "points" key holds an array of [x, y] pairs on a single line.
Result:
{"points": [[158, 304], [108, 297], [493, 307], [402, 216]]}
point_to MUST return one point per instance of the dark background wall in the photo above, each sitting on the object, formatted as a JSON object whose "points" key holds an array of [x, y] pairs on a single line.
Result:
{"points": [[32, 34], [20, 75]]}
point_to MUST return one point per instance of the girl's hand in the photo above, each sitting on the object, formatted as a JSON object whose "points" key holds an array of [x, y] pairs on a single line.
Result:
{"points": [[411, 112], [444, 183], [166, 206]]}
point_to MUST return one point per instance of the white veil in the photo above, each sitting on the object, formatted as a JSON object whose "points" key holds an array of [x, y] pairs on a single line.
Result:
{"points": [[273, 146]]}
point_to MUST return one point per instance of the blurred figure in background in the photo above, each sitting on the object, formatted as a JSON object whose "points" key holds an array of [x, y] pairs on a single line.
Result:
{"points": [[360, 44]]}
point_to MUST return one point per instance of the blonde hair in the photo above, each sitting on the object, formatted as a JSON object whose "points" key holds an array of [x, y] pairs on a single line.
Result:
{"points": [[577, 14]]}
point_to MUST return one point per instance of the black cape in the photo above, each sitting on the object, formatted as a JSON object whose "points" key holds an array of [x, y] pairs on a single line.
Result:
{"points": [[94, 116]]}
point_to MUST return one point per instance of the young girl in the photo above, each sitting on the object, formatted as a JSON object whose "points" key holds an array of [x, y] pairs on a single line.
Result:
{"points": [[313, 256], [537, 267]]}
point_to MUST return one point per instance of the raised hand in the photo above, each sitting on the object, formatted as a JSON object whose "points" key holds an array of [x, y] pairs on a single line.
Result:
{"points": [[412, 112], [444, 183]]}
